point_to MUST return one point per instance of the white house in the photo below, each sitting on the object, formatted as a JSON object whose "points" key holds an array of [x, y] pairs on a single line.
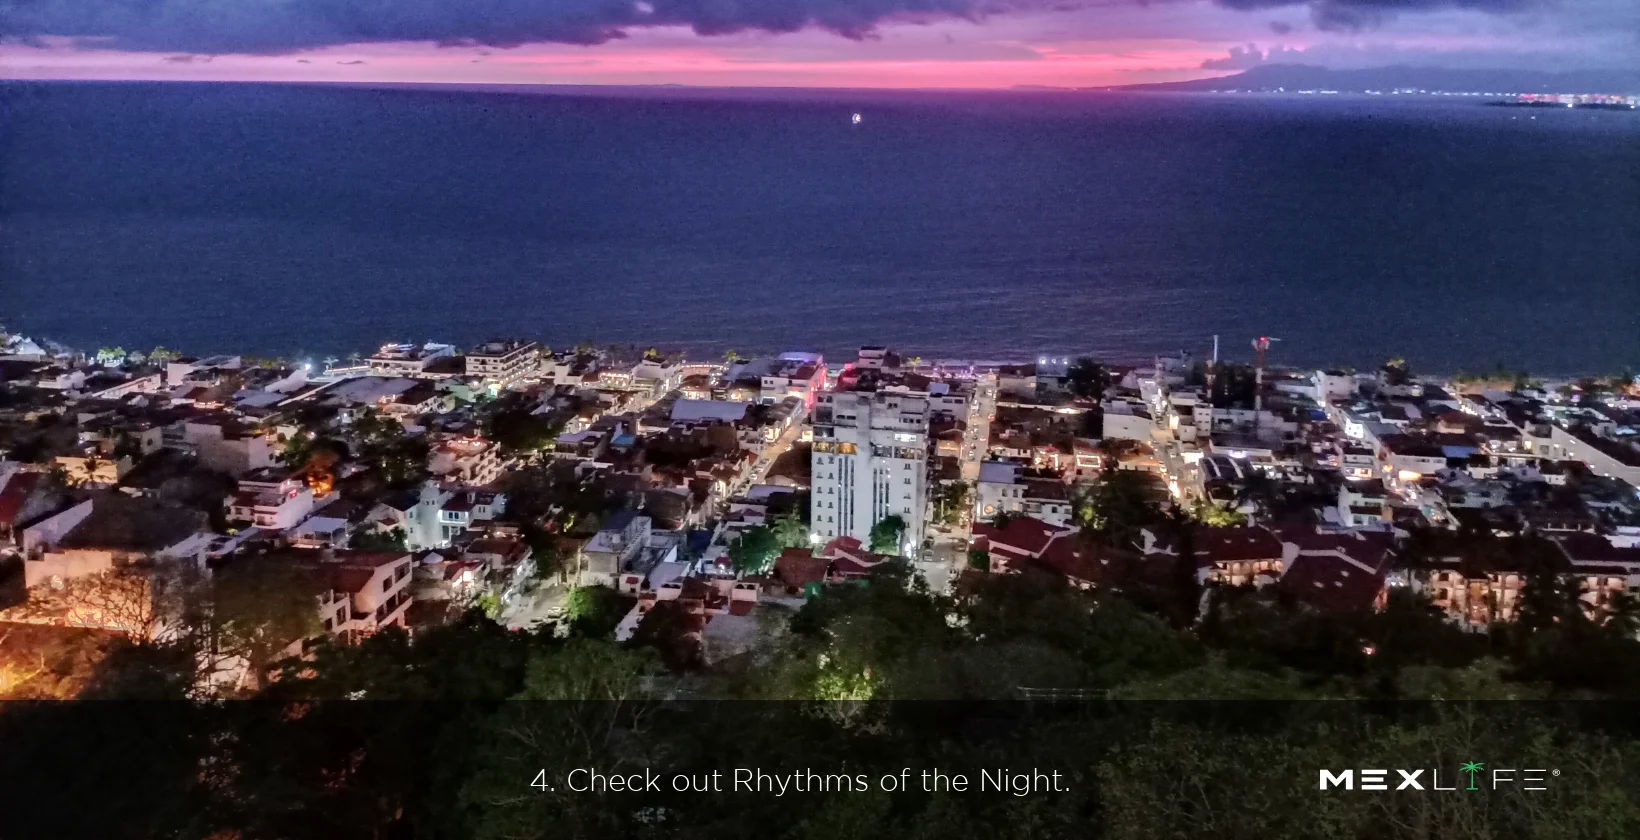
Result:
{"points": [[407, 359], [271, 498]]}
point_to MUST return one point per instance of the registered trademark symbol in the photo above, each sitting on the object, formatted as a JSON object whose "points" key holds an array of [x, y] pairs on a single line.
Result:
{"points": [[1554, 772]]}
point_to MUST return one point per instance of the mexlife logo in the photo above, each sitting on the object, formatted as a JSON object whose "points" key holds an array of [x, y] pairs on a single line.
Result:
{"points": [[1474, 772]]}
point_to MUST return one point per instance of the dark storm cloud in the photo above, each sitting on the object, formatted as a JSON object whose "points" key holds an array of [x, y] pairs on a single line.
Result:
{"points": [[1280, 28], [260, 26], [1364, 14], [284, 26]]}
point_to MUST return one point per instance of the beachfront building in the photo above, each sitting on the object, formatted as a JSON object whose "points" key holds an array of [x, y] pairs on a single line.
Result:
{"points": [[407, 359], [501, 363], [801, 375]]}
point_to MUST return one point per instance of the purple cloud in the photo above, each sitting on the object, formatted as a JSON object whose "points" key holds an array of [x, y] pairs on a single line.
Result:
{"points": [[1354, 15], [1248, 57], [260, 27]]}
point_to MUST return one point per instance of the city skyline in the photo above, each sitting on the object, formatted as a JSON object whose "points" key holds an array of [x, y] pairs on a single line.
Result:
{"points": [[814, 43]]}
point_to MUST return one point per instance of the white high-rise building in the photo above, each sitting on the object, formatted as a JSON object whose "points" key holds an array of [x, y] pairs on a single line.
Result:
{"points": [[870, 461]]}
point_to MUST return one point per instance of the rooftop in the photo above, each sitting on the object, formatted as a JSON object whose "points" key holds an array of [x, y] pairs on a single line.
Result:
{"points": [[1046, 489], [121, 522], [1333, 582], [500, 347], [696, 410], [1628, 456], [996, 472]]}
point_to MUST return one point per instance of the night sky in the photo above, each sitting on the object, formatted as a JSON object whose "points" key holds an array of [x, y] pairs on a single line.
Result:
{"points": [[843, 43]]}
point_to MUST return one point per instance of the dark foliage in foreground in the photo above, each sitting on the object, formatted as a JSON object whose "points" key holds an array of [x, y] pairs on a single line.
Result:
{"points": [[1214, 731]]}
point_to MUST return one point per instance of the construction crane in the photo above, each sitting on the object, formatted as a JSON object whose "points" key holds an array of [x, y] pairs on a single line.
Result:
{"points": [[1260, 346]]}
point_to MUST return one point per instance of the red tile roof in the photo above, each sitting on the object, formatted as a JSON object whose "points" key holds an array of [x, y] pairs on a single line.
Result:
{"points": [[1588, 549], [1333, 582], [798, 567], [1074, 559], [1026, 541], [851, 567], [842, 544], [1235, 544], [1371, 548], [1022, 534]]}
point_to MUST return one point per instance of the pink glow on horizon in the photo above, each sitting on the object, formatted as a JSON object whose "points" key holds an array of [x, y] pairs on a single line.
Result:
{"points": [[1074, 45], [663, 60], [1120, 45]]}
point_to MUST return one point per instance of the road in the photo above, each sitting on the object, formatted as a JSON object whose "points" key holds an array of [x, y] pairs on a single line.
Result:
{"points": [[941, 564], [1186, 476], [544, 604], [978, 435], [771, 453]]}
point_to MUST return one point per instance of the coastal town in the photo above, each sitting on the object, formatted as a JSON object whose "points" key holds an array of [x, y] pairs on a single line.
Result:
{"points": [[699, 499]]}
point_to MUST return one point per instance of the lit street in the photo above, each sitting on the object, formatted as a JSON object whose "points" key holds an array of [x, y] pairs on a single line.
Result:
{"points": [[978, 434], [943, 562], [1186, 477], [771, 453]]}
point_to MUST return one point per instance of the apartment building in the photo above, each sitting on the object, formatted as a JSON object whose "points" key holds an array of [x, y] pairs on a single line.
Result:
{"points": [[407, 359], [501, 363], [801, 375], [361, 592], [1001, 489], [467, 460], [274, 498], [869, 462]]}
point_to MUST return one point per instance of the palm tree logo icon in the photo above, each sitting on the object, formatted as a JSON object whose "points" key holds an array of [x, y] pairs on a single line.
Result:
{"points": [[1472, 768]]}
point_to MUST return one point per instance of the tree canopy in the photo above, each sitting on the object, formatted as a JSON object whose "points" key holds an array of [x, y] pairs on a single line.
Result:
{"points": [[382, 443], [888, 534], [1087, 378], [755, 550], [513, 425], [1159, 729]]}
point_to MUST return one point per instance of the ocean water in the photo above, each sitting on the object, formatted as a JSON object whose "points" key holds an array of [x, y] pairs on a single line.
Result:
{"points": [[323, 219]]}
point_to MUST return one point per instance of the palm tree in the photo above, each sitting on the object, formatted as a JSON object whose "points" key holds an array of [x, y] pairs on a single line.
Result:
{"points": [[91, 465], [1472, 767]]}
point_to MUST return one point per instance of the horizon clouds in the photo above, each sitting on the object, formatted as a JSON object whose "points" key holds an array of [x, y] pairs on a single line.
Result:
{"points": [[939, 42]]}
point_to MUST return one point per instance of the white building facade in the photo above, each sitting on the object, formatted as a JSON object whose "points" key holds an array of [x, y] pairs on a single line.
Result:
{"points": [[501, 363], [869, 462]]}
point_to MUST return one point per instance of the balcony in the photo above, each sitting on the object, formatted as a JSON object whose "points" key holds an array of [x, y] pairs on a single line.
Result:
{"points": [[391, 606]]}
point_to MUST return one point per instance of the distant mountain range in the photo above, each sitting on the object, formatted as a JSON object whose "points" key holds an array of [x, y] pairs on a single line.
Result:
{"points": [[1294, 77]]}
